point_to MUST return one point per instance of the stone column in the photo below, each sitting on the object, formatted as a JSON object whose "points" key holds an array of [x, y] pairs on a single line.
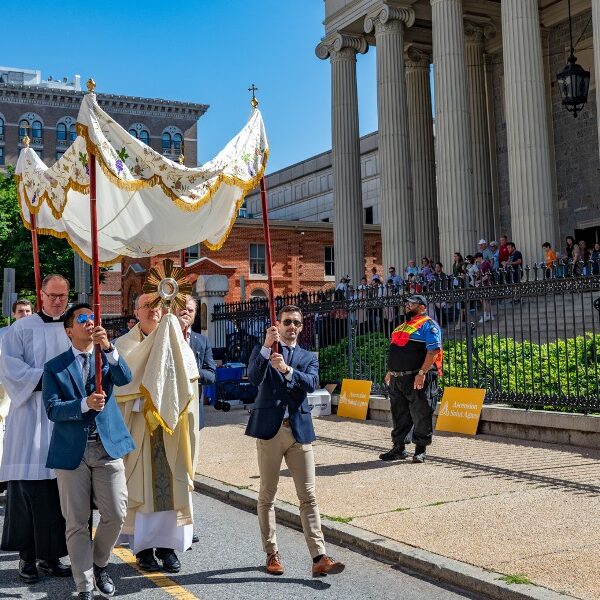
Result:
{"points": [[596, 28], [211, 290], [456, 210], [347, 187], [475, 34], [532, 210], [397, 219], [422, 152]]}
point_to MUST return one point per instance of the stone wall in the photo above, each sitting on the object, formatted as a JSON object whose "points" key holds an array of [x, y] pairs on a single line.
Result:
{"points": [[575, 140]]}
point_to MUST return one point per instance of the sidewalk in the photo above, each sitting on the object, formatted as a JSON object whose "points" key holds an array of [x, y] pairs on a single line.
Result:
{"points": [[509, 506]]}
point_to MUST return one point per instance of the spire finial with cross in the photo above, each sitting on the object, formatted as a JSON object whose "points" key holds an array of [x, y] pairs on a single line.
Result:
{"points": [[254, 101]]}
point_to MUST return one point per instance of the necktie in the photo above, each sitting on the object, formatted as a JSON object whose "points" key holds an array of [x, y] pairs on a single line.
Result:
{"points": [[91, 417], [287, 354]]}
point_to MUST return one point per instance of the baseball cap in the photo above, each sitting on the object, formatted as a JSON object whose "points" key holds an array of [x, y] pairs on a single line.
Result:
{"points": [[493, 243], [481, 241], [417, 299]]}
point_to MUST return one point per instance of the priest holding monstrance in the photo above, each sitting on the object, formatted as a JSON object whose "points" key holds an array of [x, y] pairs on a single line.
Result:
{"points": [[160, 407]]}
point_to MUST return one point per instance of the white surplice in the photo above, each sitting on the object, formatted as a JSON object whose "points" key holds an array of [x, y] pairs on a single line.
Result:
{"points": [[4, 400], [28, 344]]}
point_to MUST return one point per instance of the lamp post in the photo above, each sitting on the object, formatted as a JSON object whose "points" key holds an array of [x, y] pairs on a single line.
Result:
{"points": [[573, 80]]}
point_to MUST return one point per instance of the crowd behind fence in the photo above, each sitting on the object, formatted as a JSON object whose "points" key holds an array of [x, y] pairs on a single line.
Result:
{"points": [[529, 336]]}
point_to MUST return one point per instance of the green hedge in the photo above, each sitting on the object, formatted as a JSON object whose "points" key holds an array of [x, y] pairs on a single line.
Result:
{"points": [[563, 367]]}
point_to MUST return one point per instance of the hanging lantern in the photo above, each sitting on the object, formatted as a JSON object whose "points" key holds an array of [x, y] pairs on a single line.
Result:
{"points": [[573, 83], [573, 80]]}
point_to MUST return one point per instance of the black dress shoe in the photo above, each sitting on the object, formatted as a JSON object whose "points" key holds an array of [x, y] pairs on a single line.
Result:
{"points": [[28, 571], [103, 583], [146, 561], [54, 568], [419, 456], [195, 539], [85, 596], [169, 560], [395, 453]]}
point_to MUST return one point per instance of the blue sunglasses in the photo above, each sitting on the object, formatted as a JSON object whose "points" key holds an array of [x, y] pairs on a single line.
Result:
{"points": [[81, 319]]}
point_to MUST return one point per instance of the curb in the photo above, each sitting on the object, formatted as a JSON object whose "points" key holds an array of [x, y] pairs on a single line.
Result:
{"points": [[452, 572]]}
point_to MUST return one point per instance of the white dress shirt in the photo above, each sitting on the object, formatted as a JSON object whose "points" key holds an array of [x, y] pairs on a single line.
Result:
{"points": [[111, 357]]}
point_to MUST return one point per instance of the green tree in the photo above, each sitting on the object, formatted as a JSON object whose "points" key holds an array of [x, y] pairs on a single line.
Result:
{"points": [[56, 256]]}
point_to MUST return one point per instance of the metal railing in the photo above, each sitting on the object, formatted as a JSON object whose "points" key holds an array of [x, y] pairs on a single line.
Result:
{"points": [[530, 337]]}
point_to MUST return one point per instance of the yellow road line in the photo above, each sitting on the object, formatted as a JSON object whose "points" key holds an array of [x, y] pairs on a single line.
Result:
{"points": [[162, 581]]}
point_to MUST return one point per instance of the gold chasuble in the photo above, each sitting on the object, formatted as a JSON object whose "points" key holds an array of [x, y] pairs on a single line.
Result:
{"points": [[160, 407]]}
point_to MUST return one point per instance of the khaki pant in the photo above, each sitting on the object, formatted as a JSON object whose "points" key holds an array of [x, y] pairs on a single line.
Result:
{"points": [[103, 476], [301, 463]]}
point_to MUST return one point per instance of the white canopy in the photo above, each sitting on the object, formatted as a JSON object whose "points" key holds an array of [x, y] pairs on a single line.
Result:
{"points": [[146, 204]]}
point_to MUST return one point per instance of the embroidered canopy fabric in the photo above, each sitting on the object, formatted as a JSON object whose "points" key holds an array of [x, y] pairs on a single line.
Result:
{"points": [[147, 204]]}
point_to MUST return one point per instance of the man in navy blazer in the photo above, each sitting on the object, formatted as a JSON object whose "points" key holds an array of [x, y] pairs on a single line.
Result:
{"points": [[201, 347], [88, 442], [282, 423]]}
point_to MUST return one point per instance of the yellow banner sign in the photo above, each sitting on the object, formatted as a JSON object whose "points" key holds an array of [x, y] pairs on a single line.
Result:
{"points": [[354, 399], [460, 410]]}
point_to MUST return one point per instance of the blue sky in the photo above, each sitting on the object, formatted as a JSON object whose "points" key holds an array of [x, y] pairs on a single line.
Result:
{"points": [[206, 51]]}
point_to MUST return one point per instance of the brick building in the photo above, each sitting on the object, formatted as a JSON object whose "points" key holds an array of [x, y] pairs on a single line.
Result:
{"points": [[302, 260], [47, 112]]}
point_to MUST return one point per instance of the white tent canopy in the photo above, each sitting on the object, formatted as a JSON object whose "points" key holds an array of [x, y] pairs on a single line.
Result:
{"points": [[146, 203]]}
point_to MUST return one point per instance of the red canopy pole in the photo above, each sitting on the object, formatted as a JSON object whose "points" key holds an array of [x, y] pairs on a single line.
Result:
{"points": [[36, 260], [95, 268], [182, 258], [265, 216]]}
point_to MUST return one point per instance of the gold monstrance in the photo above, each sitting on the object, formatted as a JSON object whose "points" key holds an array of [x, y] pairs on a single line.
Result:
{"points": [[169, 284]]}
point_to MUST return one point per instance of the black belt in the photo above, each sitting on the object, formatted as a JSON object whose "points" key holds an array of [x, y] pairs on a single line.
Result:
{"points": [[403, 373], [93, 438]]}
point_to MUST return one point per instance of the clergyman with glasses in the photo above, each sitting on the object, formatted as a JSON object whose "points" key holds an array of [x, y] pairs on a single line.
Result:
{"points": [[282, 423], [33, 523]]}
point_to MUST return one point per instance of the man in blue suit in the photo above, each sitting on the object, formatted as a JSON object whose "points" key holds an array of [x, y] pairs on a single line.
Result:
{"points": [[282, 423], [88, 442]]}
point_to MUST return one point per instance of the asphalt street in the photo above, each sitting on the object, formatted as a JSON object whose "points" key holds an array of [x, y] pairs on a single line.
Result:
{"points": [[228, 563]]}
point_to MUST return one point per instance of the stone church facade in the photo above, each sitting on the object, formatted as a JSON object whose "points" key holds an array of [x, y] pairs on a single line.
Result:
{"points": [[506, 158]]}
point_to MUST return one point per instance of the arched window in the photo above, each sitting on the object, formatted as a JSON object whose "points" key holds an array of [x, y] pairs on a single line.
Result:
{"points": [[144, 137], [72, 133], [36, 130], [166, 142], [133, 132], [61, 133], [177, 143], [1, 126], [23, 128]]}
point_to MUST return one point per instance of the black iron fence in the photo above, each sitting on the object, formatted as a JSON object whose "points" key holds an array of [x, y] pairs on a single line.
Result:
{"points": [[530, 337]]}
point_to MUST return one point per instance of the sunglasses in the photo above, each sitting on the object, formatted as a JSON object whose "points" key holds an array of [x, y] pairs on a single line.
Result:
{"points": [[81, 319], [288, 322]]}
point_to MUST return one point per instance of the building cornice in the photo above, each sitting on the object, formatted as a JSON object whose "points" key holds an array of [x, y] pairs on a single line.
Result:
{"points": [[132, 105]]}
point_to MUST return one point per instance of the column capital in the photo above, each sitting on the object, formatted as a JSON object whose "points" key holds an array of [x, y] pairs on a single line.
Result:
{"points": [[417, 56], [478, 29], [389, 16], [342, 43]]}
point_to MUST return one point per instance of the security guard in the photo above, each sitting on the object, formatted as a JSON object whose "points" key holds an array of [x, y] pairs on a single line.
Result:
{"points": [[414, 363]]}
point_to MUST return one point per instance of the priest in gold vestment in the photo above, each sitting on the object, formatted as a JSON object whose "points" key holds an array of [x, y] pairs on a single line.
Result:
{"points": [[160, 407]]}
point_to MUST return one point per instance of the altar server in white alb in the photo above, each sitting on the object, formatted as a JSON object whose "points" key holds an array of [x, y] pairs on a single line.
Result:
{"points": [[160, 408], [20, 308], [33, 524]]}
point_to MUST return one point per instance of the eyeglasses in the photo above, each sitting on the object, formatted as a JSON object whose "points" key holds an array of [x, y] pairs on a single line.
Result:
{"points": [[81, 319], [55, 297], [288, 322]]}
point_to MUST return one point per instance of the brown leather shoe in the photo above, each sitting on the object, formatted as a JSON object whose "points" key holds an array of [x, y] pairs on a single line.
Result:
{"points": [[274, 565], [327, 566]]}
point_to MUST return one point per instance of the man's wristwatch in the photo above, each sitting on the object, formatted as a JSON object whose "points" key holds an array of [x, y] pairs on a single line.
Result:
{"points": [[110, 349], [288, 370]]}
